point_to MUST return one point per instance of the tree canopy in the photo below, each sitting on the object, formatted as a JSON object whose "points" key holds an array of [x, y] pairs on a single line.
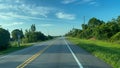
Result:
{"points": [[4, 38], [16, 33], [97, 29], [32, 35]]}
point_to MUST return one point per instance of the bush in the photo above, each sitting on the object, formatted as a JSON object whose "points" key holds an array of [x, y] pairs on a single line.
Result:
{"points": [[49, 37], [115, 37], [4, 38]]}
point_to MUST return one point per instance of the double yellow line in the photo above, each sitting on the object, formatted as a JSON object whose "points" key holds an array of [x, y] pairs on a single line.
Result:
{"points": [[29, 60]]}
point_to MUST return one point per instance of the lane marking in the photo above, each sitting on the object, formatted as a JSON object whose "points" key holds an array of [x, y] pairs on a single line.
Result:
{"points": [[29, 60], [76, 59], [12, 53]]}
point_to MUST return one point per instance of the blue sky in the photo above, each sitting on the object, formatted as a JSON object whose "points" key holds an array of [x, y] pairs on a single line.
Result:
{"points": [[55, 17]]}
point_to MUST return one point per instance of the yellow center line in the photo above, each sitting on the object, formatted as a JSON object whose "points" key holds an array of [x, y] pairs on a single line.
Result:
{"points": [[29, 60]]}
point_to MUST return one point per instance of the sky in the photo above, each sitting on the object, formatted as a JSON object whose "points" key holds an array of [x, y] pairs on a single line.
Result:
{"points": [[55, 17]]}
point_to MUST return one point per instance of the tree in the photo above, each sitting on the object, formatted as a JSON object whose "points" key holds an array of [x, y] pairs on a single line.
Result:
{"points": [[93, 22], [49, 37], [4, 38], [98, 29], [33, 36], [84, 26], [33, 28], [16, 33], [118, 20], [74, 33], [115, 37]]}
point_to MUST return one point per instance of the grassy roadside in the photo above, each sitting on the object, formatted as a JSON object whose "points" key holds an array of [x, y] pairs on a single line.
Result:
{"points": [[14, 47], [109, 52]]}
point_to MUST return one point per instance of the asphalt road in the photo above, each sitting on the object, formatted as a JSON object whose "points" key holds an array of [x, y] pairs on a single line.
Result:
{"points": [[56, 53]]}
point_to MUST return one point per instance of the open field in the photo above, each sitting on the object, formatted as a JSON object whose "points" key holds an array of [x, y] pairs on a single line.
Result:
{"points": [[109, 52]]}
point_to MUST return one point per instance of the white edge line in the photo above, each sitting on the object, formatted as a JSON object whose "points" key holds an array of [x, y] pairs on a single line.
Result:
{"points": [[78, 62]]}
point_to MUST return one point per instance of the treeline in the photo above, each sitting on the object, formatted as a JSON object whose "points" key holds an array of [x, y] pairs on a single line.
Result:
{"points": [[98, 29], [30, 35]]}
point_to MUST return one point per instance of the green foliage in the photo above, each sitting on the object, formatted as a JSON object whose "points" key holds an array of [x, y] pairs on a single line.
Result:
{"points": [[93, 22], [4, 38], [49, 37], [14, 47], [84, 26], [17, 32], [74, 33], [109, 52], [33, 36], [115, 37], [33, 28], [30, 36], [97, 29]]}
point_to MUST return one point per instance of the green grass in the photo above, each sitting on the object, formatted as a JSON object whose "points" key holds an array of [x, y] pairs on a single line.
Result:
{"points": [[109, 52], [14, 47]]}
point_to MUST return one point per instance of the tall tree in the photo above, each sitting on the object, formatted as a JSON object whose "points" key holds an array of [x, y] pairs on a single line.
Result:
{"points": [[33, 28]]}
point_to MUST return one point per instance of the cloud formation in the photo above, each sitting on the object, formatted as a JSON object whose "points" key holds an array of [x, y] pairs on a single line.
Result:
{"points": [[68, 1], [20, 9], [88, 2], [62, 15], [13, 24], [78, 2], [46, 25]]}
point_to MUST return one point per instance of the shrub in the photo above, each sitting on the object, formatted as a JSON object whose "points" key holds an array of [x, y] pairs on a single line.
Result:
{"points": [[4, 38], [115, 37]]}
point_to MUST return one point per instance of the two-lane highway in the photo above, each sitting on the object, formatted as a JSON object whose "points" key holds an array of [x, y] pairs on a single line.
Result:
{"points": [[57, 53]]}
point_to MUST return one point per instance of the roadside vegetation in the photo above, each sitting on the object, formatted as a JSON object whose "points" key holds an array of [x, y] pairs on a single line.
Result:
{"points": [[17, 40], [14, 47], [100, 38], [108, 52]]}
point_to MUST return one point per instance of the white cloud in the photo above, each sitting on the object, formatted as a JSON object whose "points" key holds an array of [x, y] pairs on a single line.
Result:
{"points": [[17, 23], [6, 6], [25, 9], [62, 15], [11, 15], [89, 2], [4, 17], [68, 1], [46, 25], [42, 11], [94, 3], [11, 1], [13, 24]]}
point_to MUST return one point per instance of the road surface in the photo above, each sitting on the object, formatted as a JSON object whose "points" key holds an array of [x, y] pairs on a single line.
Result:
{"points": [[56, 53]]}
